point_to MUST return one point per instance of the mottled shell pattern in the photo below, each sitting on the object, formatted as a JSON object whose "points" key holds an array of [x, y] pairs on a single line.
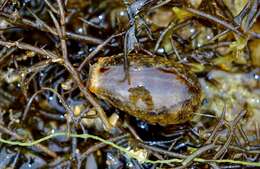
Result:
{"points": [[160, 91]]}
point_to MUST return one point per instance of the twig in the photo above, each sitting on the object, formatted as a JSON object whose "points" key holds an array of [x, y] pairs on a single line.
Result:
{"points": [[255, 35], [231, 134], [51, 30], [49, 115], [172, 27], [215, 45], [18, 137], [132, 131], [88, 39], [161, 151], [90, 23], [252, 14], [243, 134], [51, 7], [82, 88], [101, 145], [3, 4], [126, 151], [4, 57], [257, 132], [215, 19], [159, 5], [198, 153], [224, 9], [170, 149], [97, 49], [25, 46], [74, 73], [219, 35], [220, 124], [175, 49], [238, 19], [12, 19], [15, 160], [63, 102]]}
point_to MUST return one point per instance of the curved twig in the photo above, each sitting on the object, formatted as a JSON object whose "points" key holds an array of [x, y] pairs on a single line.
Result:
{"points": [[63, 102], [215, 19]]}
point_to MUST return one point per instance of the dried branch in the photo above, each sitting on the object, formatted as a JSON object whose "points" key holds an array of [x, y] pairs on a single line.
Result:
{"points": [[18, 137], [25, 22], [215, 19]]}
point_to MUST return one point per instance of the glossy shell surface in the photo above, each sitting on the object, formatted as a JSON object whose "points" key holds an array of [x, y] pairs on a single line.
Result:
{"points": [[160, 91]]}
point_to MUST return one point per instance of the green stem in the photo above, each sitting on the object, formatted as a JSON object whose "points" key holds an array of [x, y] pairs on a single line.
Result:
{"points": [[122, 149]]}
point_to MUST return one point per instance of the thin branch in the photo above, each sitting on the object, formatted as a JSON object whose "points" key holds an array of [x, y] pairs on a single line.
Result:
{"points": [[197, 153], [26, 46], [231, 134], [51, 30], [215, 19], [18, 137], [101, 145], [63, 102], [161, 151], [172, 27], [82, 88], [3, 4], [126, 151], [19, 21], [225, 9], [51, 7], [74, 73], [97, 49], [218, 126]]}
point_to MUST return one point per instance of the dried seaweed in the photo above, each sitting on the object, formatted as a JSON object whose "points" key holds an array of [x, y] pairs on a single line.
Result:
{"points": [[49, 118]]}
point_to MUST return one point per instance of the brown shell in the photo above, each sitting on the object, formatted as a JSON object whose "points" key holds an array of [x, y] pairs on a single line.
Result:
{"points": [[160, 91]]}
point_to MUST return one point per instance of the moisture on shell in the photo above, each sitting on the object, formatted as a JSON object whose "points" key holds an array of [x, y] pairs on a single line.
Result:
{"points": [[160, 91]]}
